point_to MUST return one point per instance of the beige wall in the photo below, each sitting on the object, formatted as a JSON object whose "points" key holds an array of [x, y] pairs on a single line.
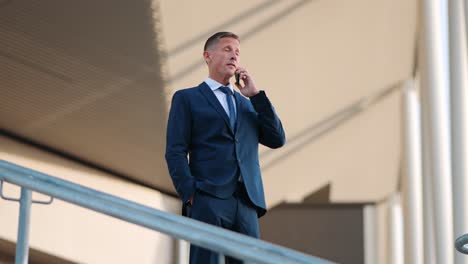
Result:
{"points": [[78, 234], [313, 58]]}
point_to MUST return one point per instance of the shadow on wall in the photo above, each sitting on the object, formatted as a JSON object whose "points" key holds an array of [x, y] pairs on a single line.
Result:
{"points": [[261, 25]]}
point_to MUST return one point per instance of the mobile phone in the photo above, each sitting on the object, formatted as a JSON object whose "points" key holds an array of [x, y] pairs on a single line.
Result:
{"points": [[237, 78]]}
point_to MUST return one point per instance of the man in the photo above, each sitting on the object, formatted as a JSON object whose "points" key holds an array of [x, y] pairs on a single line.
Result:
{"points": [[213, 134]]}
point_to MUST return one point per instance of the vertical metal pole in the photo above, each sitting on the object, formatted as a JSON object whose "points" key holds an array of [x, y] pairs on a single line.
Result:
{"points": [[459, 99], [220, 258], [182, 251], [22, 244], [412, 185], [395, 233], [435, 95], [371, 246], [466, 18], [428, 207], [428, 204]]}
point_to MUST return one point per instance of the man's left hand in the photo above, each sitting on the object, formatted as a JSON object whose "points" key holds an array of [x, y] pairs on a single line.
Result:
{"points": [[248, 89]]}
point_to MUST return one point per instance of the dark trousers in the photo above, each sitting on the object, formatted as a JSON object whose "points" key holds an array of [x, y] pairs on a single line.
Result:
{"points": [[236, 213]]}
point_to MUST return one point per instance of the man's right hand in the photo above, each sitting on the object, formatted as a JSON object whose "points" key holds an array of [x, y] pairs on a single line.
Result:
{"points": [[190, 201]]}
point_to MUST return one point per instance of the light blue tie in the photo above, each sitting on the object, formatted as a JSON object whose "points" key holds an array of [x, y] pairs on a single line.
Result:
{"points": [[232, 112]]}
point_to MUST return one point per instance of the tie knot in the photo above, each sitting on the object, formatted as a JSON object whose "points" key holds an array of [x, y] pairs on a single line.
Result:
{"points": [[226, 90]]}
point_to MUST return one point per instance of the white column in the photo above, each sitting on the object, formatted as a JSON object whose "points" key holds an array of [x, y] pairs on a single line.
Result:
{"points": [[435, 95], [428, 201], [370, 235], [395, 234], [466, 17], [459, 99], [182, 251], [412, 185]]}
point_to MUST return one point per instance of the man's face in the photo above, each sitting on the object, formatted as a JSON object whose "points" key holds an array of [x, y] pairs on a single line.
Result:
{"points": [[223, 58]]}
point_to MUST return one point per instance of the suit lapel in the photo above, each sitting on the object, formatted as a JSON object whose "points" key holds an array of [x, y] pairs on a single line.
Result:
{"points": [[239, 106], [214, 102]]}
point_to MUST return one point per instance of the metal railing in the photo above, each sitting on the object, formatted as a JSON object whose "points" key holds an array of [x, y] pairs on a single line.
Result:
{"points": [[460, 244], [225, 242]]}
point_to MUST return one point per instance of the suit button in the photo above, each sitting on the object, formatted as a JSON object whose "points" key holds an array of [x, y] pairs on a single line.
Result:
{"points": [[239, 161]]}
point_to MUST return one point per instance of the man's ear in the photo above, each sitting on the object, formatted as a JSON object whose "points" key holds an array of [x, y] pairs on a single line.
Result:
{"points": [[206, 56]]}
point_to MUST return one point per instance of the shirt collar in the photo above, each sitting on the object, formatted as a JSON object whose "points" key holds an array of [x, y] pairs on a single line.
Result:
{"points": [[214, 85]]}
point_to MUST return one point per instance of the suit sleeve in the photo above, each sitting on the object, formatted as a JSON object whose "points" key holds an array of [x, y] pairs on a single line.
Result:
{"points": [[270, 127], [177, 146]]}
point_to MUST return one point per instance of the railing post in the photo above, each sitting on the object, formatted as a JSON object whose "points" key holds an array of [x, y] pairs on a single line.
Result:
{"points": [[220, 258], [22, 244]]}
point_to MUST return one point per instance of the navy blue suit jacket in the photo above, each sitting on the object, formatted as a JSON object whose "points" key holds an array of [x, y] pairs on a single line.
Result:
{"points": [[204, 153]]}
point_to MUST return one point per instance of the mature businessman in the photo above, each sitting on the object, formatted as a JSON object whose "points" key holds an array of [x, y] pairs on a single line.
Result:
{"points": [[213, 134]]}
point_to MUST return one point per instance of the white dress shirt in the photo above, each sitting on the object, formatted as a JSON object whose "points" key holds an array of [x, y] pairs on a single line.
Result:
{"points": [[214, 85]]}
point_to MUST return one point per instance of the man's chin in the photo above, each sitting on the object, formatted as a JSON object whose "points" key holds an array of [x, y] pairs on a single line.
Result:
{"points": [[229, 75], [230, 72]]}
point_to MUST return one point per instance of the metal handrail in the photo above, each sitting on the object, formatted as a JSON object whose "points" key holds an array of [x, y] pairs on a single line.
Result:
{"points": [[214, 238], [4, 197], [460, 244]]}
